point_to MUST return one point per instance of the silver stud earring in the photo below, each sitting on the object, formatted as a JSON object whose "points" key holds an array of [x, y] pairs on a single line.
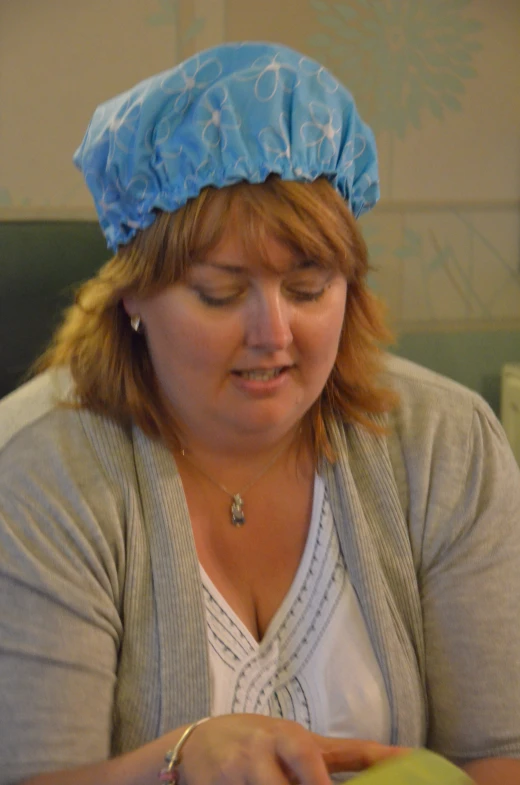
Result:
{"points": [[135, 322]]}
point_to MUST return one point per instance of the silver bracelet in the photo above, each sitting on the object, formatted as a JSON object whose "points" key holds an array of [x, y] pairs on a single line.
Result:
{"points": [[170, 773]]}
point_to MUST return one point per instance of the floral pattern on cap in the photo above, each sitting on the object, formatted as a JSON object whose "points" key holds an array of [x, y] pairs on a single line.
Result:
{"points": [[237, 112]]}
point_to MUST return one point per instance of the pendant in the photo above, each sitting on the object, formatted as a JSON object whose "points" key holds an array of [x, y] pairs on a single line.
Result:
{"points": [[237, 511]]}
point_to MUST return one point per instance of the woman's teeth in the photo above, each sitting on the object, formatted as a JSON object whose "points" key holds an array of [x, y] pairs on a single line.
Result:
{"points": [[261, 375]]}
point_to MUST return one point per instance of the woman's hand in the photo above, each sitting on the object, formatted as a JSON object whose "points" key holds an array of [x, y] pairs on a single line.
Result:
{"points": [[257, 750], [354, 754]]}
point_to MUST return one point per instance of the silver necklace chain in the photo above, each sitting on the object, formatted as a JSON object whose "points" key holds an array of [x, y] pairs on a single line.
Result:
{"points": [[237, 503]]}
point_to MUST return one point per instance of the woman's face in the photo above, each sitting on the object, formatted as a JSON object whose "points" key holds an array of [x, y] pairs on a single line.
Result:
{"points": [[242, 349]]}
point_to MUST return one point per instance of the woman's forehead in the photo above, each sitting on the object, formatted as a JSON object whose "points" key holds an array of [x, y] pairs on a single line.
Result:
{"points": [[263, 227], [258, 245], [237, 249]]}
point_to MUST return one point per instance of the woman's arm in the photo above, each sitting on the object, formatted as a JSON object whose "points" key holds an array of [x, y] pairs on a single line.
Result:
{"points": [[470, 589], [239, 748], [494, 771], [139, 767], [61, 583]]}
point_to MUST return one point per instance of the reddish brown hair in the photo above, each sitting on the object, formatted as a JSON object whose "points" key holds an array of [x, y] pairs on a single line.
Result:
{"points": [[110, 364]]}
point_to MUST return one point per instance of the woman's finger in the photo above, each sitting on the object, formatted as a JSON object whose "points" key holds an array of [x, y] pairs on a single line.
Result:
{"points": [[302, 759], [354, 754], [269, 770]]}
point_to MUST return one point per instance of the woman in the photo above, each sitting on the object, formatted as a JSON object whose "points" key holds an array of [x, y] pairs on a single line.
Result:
{"points": [[220, 499]]}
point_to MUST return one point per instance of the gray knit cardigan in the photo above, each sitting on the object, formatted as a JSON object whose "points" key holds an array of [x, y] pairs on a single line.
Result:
{"points": [[102, 625]]}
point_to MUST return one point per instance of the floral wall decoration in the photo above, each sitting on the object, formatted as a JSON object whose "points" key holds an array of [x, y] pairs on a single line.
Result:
{"points": [[411, 66], [169, 14], [401, 58]]}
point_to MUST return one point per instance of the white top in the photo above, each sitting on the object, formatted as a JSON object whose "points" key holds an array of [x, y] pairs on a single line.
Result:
{"points": [[315, 663]]}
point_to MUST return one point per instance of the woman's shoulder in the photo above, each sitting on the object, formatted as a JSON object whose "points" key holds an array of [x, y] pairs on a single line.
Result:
{"points": [[35, 401], [433, 409], [62, 446], [438, 426], [420, 388], [37, 413], [447, 437], [54, 481]]}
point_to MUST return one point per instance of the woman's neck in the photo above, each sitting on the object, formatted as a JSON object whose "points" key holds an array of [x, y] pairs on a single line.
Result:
{"points": [[238, 460]]}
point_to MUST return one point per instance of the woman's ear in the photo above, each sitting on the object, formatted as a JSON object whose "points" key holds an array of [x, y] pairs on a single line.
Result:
{"points": [[130, 305]]}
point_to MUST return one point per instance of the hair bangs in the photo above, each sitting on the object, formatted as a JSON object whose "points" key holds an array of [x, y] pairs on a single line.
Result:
{"points": [[310, 221], [314, 222]]}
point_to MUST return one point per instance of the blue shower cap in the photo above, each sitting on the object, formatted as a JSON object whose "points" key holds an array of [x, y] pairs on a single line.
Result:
{"points": [[236, 112]]}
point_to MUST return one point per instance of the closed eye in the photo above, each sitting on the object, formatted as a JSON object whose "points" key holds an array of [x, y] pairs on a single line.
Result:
{"points": [[217, 302], [306, 296]]}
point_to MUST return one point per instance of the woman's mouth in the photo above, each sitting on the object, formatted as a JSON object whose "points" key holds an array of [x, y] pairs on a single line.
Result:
{"points": [[261, 382], [260, 374]]}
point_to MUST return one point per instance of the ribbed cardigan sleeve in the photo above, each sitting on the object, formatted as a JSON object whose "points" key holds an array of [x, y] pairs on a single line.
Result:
{"points": [[463, 507], [62, 566]]}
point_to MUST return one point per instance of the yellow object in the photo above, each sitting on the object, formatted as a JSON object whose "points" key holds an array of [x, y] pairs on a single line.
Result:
{"points": [[420, 767]]}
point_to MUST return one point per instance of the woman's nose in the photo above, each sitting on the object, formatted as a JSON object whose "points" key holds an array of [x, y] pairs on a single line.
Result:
{"points": [[268, 321]]}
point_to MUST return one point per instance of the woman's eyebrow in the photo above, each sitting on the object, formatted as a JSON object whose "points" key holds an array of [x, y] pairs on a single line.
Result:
{"points": [[234, 268], [304, 264], [227, 267]]}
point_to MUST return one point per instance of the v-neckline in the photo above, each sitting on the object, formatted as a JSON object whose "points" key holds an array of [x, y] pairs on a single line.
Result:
{"points": [[291, 596]]}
